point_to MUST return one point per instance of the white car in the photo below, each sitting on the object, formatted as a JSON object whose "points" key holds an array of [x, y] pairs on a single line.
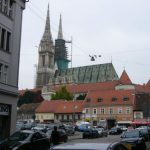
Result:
{"points": [[91, 146], [40, 127]]}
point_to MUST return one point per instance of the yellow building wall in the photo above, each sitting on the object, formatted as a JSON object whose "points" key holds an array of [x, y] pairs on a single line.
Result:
{"points": [[44, 116]]}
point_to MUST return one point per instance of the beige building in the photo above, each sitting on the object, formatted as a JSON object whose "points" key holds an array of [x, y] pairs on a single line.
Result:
{"points": [[10, 36]]}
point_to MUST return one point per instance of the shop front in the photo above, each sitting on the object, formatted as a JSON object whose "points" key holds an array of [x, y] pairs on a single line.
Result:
{"points": [[5, 119]]}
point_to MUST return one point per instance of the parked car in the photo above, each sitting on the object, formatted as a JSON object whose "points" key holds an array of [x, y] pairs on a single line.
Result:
{"points": [[135, 139], [115, 131], [102, 132], [20, 126], [40, 127], [91, 146], [27, 140], [123, 128], [145, 133], [63, 137], [68, 128], [90, 133], [84, 127]]}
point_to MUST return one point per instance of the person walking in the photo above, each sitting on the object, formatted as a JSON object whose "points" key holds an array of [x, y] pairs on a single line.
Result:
{"points": [[55, 136]]}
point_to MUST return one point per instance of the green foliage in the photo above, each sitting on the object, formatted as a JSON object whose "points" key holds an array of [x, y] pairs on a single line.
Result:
{"points": [[29, 97], [87, 119], [62, 94], [81, 97]]}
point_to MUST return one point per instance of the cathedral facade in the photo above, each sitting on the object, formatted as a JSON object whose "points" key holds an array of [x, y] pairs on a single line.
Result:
{"points": [[53, 63]]}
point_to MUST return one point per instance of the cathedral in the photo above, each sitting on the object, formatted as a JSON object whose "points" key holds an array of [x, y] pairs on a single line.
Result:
{"points": [[53, 63]]}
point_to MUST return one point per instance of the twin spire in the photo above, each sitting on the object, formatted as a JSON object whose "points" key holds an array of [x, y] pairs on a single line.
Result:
{"points": [[47, 36], [60, 33]]}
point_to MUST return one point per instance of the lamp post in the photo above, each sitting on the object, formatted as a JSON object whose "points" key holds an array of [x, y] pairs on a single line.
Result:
{"points": [[74, 99]]}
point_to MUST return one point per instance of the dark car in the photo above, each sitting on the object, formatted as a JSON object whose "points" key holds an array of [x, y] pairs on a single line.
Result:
{"points": [[27, 140], [84, 127], [115, 131], [63, 137], [135, 139], [145, 133], [91, 146], [102, 132], [68, 128], [90, 133]]}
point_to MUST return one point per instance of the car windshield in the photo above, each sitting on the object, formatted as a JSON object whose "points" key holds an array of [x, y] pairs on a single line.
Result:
{"points": [[131, 134], [144, 130], [40, 125], [99, 129], [19, 136]]}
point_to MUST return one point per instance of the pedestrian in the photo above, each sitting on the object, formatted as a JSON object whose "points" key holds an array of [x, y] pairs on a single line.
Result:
{"points": [[55, 136]]}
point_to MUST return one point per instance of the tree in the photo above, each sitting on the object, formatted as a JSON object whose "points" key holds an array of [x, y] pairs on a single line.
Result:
{"points": [[62, 94], [81, 97], [30, 97]]}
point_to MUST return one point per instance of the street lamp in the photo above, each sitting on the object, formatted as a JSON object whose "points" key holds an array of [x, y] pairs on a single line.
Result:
{"points": [[74, 99]]}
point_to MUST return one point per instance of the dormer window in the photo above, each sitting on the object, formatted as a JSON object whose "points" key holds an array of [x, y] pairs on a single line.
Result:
{"points": [[125, 98], [100, 99], [88, 99], [114, 99]]}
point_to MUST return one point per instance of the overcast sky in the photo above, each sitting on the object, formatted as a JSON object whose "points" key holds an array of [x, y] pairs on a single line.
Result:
{"points": [[119, 30]]}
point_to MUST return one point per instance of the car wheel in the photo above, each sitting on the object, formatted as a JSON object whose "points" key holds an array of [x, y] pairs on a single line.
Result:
{"points": [[65, 140]]}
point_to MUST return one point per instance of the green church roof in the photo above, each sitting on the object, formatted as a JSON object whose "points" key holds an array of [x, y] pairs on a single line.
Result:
{"points": [[87, 74]]}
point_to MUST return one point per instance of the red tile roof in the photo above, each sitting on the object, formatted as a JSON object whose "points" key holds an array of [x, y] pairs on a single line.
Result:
{"points": [[124, 79], [148, 84], [108, 95], [60, 106], [84, 88]]}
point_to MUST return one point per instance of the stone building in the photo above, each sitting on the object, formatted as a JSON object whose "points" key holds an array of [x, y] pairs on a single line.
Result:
{"points": [[10, 35]]}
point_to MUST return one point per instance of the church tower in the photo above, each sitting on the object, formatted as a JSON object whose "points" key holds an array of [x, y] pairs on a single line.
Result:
{"points": [[45, 69], [61, 53]]}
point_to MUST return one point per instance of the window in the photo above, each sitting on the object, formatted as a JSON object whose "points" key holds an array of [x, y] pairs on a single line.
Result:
{"points": [[1, 5], [43, 60], [6, 7], [88, 99], [128, 110], [8, 41], [87, 111], [100, 99], [102, 110], [94, 111], [120, 110], [3, 36], [1, 72], [125, 98], [79, 117], [5, 39], [5, 73], [111, 110], [114, 99]]}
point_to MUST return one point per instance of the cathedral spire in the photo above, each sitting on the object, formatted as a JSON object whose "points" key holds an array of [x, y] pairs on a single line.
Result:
{"points": [[60, 33], [47, 36]]}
